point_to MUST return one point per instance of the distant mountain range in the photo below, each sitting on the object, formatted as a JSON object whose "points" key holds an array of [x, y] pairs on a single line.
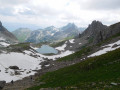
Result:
{"points": [[49, 34]]}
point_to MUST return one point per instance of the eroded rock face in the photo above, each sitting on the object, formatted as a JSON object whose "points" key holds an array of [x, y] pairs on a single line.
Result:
{"points": [[2, 84], [100, 32], [4, 33]]}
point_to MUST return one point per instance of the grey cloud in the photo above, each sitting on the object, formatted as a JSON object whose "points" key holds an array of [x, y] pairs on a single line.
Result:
{"points": [[13, 2], [105, 4], [6, 11], [27, 12], [99, 4]]}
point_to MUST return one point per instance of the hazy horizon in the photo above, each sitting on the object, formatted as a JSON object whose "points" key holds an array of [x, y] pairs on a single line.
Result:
{"points": [[43, 13]]}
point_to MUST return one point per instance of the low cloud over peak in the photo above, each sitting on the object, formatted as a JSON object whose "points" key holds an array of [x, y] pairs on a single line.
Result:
{"points": [[59, 12]]}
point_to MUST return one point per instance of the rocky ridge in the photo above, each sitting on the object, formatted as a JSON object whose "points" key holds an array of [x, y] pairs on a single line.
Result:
{"points": [[5, 34]]}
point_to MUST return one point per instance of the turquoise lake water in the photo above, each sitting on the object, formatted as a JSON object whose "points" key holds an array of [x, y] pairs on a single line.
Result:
{"points": [[46, 49]]}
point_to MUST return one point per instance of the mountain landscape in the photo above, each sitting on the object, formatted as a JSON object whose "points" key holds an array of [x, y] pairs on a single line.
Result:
{"points": [[60, 45], [88, 61]]}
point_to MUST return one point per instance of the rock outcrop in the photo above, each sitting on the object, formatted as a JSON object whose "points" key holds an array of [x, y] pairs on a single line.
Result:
{"points": [[5, 34], [2, 84], [99, 32], [14, 67]]}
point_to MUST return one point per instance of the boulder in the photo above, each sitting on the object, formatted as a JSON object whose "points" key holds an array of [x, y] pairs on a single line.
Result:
{"points": [[14, 67], [44, 63], [2, 84], [17, 73], [115, 45]]}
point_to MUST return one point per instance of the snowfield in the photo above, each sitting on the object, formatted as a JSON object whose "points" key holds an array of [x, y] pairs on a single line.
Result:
{"points": [[28, 62], [25, 63], [71, 41], [108, 48]]}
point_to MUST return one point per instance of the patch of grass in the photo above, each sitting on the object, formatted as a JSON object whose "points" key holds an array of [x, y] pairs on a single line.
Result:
{"points": [[67, 38], [61, 42], [90, 40], [21, 38], [95, 73], [19, 47], [57, 44], [39, 44]]}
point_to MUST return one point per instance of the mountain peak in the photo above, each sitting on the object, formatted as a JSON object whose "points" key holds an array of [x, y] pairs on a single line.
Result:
{"points": [[70, 24], [0, 23], [95, 27], [50, 27], [96, 23]]}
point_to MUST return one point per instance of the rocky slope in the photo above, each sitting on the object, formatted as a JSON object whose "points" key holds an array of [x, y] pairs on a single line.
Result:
{"points": [[94, 34], [99, 32], [6, 35]]}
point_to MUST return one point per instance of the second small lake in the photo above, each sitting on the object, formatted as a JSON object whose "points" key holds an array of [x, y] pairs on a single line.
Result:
{"points": [[46, 49]]}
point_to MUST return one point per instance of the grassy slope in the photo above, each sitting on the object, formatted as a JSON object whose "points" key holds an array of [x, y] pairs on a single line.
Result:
{"points": [[57, 44], [60, 43], [76, 55], [97, 72], [21, 36]]}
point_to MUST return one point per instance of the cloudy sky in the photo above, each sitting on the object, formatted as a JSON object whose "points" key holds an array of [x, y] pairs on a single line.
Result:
{"points": [[42, 13]]}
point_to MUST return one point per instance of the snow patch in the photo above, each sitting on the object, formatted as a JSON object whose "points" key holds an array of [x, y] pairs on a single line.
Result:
{"points": [[61, 48], [4, 44], [54, 57], [47, 65], [52, 34], [105, 50], [71, 41], [35, 48], [65, 42], [2, 39], [25, 63]]}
